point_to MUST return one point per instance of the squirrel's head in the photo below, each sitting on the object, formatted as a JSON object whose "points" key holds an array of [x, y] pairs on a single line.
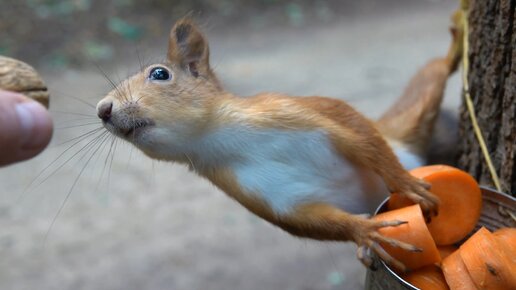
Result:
{"points": [[166, 104]]}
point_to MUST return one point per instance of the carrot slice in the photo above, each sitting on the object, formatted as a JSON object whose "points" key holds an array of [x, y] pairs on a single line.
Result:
{"points": [[427, 278], [445, 251], [507, 236], [415, 232], [456, 274], [487, 264], [461, 202]]}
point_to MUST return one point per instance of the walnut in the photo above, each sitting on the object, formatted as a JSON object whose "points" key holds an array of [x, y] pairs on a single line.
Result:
{"points": [[20, 77]]}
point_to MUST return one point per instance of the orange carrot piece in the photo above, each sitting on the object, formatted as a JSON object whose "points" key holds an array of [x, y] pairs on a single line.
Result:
{"points": [[487, 263], [461, 202], [456, 274], [427, 278], [507, 236], [415, 232], [445, 251], [398, 201]]}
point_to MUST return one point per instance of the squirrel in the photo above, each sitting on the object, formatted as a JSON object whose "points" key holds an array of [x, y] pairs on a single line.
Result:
{"points": [[312, 166]]}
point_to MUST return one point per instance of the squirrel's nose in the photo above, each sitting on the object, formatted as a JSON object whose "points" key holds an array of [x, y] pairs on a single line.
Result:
{"points": [[104, 110]]}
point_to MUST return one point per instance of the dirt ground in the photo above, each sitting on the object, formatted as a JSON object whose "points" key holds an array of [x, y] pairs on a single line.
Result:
{"points": [[130, 223]]}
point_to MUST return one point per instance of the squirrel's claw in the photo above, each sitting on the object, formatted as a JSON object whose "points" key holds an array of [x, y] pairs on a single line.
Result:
{"points": [[418, 193], [370, 241]]}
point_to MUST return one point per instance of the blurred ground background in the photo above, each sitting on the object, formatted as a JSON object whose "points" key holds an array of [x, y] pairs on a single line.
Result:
{"points": [[131, 223]]}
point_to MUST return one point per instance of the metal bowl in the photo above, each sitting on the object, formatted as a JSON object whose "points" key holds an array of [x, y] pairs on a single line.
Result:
{"points": [[496, 209]]}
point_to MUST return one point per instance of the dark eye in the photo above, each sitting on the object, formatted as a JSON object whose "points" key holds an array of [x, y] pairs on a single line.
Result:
{"points": [[159, 74]]}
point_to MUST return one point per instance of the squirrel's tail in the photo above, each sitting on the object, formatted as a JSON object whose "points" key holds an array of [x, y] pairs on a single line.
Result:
{"points": [[408, 124]]}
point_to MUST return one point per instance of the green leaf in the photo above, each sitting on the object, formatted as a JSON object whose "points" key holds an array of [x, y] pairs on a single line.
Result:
{"points": [[4, 50], [97, 51], [124, 29], [335, 278], [57, 60], [295, 14]]}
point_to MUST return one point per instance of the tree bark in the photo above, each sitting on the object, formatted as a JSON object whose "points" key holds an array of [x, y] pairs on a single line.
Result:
{"points": [[492, 81]]}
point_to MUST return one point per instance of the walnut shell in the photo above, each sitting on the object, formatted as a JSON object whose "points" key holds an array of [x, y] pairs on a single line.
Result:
{"points": [[20, 77]]}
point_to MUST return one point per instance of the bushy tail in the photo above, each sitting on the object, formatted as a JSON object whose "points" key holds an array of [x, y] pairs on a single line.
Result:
{"points": [[409, 122]]}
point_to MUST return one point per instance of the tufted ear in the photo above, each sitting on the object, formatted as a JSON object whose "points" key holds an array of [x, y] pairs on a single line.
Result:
{"points": [[188, 48]]}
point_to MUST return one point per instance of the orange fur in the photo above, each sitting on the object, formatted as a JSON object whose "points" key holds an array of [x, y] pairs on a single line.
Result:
{"points": [[315, 220], [226, 181], [354, 136], [410, 120], [192, 103]]}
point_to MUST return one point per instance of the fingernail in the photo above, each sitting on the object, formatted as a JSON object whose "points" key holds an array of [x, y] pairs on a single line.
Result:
{"points": [[31, 115]]}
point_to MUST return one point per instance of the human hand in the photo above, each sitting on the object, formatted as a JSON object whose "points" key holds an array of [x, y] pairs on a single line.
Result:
{"points": [[25, 128]]}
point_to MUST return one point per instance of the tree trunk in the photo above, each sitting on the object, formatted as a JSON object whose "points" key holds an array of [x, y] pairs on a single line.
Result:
{"points": [[492, 81]]}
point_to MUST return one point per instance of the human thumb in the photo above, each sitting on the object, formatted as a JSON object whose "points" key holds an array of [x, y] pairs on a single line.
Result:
{"points": [[25, 128]]}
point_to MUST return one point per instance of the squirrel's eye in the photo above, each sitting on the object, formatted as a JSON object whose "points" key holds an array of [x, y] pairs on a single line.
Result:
{"points": [[159, 74]]}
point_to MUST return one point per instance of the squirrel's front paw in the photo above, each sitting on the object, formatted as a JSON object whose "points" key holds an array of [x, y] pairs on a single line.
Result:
{"points": [[417, 191], [368, 239]]}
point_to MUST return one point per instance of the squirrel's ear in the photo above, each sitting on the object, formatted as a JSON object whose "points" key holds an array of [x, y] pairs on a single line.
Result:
{"points": [[188, 48]]}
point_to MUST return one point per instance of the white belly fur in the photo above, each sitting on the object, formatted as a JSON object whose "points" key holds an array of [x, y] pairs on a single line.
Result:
{"points": [[287, 169]]}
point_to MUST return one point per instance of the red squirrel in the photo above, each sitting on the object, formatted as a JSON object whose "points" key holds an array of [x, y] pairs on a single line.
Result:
{"points": [[312, 166]]}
